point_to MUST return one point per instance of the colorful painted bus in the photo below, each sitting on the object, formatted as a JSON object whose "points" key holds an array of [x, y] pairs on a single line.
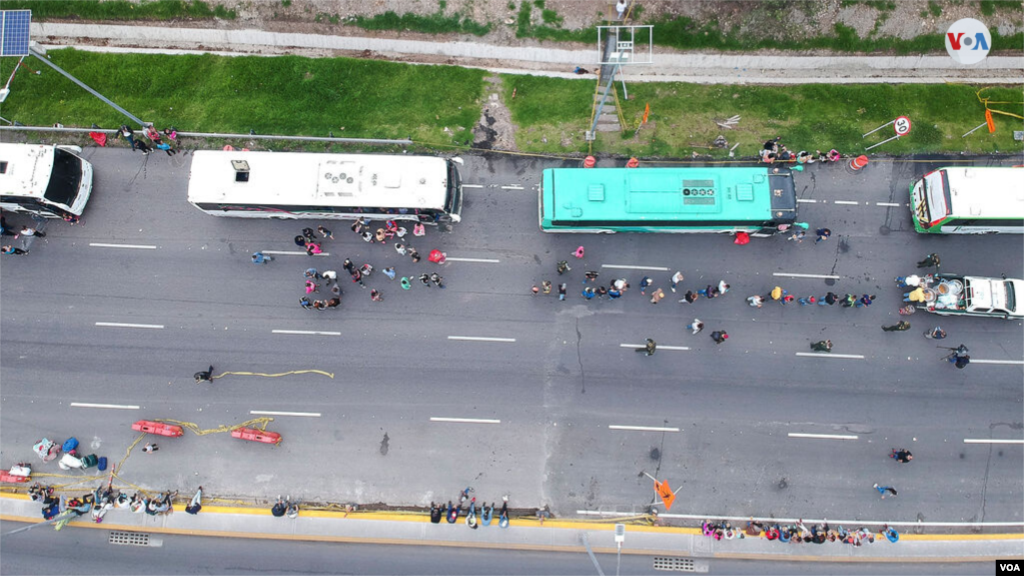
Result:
{"points": [[708, 199], [291, 185], [969, 200]]}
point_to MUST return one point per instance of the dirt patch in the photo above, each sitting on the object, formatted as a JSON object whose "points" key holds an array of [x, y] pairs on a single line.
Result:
{"points": [[778, 20], [495, 130]]}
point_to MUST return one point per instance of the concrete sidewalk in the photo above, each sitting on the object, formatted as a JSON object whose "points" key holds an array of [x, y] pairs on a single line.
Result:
{"points": [[670, 66], [525, 534]]}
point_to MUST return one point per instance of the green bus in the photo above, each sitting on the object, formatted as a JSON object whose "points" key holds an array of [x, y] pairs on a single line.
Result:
{"points": [[969, 200], [760, 201]]}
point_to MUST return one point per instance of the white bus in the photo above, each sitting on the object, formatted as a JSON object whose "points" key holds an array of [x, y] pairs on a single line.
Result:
{"points": [[969, 201], [326, 186], [44, 180]]}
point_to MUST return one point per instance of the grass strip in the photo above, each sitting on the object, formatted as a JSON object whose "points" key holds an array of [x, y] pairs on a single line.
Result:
{"points": [[552, 115], [287, 95], [120, 9]]}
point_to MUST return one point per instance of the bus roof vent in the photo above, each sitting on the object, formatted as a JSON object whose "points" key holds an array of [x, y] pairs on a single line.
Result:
{"points": [[745, 193], [241, 170], [595, 193]]}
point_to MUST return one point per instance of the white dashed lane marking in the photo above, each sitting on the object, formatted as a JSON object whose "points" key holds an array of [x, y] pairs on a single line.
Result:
{"points": [[124, 325], [135, 246], [466, 420], [642, 428], [111, 406], [823, 436], [481, 339]]}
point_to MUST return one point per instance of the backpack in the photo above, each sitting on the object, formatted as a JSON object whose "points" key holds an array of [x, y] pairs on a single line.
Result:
{"points": [[70, 444]]}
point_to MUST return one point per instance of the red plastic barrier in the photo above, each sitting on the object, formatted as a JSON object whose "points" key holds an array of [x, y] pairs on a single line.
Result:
{"points": [[632, 163], [858, 163], [254, 435], [158, 428], [589, 162]]}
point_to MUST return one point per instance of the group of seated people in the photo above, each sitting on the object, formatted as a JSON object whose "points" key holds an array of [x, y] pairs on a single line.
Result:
{"points": [[797, 533], [773, 152]]}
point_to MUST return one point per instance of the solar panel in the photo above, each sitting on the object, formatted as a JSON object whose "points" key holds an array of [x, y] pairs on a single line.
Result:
{"points": [[14, 32]]}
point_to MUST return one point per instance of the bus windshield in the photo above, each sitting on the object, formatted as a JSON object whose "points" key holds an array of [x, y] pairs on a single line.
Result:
{"points": [[65, 179], [936, 194]]}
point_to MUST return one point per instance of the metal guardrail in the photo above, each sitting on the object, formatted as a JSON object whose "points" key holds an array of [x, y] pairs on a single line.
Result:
{"points": [[404, 142]]}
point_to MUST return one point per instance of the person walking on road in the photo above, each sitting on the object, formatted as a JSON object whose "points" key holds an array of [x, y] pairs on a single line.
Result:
{"points": [[807, 301], [849, 300], [545, 285], [828, 299], [865, 300], [561, 291], [823, 234], [14, 251], [261, 258], [562, 267], [822, 346], [657, 295], [150, 448], [690, 297], [929, 261], [936, 333], [899, 327], [325, 232], [696, 326], [901, 455], [649, 347], [589, 293], [645, 283], [29, 231], [425, 278], [676, 279], [400, 248], [883, 489], [390, 272], [349, 266], [756, 301], [719, 336], [590, 276], [305, 303], [308, 234]]}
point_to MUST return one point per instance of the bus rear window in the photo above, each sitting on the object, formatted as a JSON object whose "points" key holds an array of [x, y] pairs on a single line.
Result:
{"points": [[66, 178]]}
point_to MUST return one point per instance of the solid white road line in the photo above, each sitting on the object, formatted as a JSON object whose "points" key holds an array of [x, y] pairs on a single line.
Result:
{"points": [[123, 325], [306, 332], [642, 428], [823, 436], [847, 202], [292, 253], [831, 355], [795, 275], [513, 187], [660, 347], [481, 339], [135, 246], [269, 413], [894, 204], [987, 441], [1012, 362], [485, 260], [113, 406], [466, 420], [472, 185], [624, 267]]}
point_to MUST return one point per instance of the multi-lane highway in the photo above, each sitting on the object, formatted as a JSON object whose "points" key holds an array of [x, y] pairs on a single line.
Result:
{"points": [[485, 384]]}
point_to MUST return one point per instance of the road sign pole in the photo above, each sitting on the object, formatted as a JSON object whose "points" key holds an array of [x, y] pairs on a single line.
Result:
{"points": [[882, 142], [877, 129]]}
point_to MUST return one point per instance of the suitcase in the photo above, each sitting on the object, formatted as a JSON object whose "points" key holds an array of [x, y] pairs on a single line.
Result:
{"points": [[89, 461]]}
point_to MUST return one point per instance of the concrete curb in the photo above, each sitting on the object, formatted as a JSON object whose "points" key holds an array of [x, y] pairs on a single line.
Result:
{"points": [[525, 534]]}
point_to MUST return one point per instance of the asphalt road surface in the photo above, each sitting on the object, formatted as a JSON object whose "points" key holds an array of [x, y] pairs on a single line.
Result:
{"points": [[85, 552], [558, 393]]}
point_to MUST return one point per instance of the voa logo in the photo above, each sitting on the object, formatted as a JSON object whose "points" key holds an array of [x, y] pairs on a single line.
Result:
{"points": [[967, 41]]}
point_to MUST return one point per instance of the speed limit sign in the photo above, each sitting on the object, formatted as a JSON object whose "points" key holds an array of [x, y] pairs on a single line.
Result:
{"points": [[902, 126]]}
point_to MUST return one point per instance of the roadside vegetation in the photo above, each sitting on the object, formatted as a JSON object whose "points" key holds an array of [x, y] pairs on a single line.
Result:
{"points": [[120, 9], [287, 95], [551, 116], [438, 106]]}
